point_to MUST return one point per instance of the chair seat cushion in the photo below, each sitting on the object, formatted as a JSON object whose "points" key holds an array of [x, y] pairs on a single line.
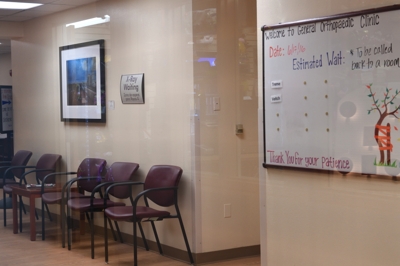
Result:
{"points": [[8, 188], [55, 197], [83, 204], [126, 213], [7, 182]]}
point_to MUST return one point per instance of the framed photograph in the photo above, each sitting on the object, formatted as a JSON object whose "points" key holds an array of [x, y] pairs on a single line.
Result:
{"points": [[82, 77]]}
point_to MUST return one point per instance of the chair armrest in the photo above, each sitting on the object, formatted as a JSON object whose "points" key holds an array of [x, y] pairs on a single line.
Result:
{"points": [[70, 182], [6, 170], [73, 180], [34, 171], [53, 174], [97, 189], [143, 193], [132, 183], [57, 173], [5, 166], [16, 167], [99, 186]]}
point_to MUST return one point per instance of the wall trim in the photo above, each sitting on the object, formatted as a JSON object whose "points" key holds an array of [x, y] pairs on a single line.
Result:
{"points": [[171, 252]]}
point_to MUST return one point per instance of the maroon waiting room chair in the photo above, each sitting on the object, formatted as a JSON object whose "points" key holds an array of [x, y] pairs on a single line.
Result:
{"points": [[13, 173], [160, 187], [118, 172], [88, 167], [46, 164]]}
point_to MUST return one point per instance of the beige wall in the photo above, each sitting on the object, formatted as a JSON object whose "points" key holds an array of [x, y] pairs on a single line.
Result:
{"points": [[227, 162], [11, 29], [5, 67], [174, 126], [319, 219], [142, 37]]}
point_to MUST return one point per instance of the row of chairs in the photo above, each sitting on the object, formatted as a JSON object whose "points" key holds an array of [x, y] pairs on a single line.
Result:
{"points": [[112, 185], [15, 173]]}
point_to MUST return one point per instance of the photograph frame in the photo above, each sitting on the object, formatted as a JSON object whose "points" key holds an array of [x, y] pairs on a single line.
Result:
{"points": [[82, 82]]}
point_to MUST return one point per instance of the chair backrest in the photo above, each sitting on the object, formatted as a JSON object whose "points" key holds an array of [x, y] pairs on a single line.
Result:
{"points": [[90, 167], [121, 172], [21, 158], [47, 161], [162, 176]]}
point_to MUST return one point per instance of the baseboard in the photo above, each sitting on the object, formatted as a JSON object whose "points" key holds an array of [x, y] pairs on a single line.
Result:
{"points": [[178, 254], [227, 254]]}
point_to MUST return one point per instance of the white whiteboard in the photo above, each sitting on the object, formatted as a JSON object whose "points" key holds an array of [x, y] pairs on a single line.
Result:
{"points": [[325, 82]]}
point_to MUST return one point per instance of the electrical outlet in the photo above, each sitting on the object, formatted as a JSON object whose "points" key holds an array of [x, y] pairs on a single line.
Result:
{"points": [[227, 210], [111, 105]]}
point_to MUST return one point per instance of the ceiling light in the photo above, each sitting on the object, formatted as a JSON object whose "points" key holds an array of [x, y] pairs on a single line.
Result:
{"points": [[89, 22], [14, 5]]}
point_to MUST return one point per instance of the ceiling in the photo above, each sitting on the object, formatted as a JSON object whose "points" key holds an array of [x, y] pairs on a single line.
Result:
{"points": [[48, 7]]}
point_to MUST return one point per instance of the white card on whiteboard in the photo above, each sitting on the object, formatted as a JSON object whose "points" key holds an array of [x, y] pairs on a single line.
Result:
{"points": [[276, 98], [276, 84]]}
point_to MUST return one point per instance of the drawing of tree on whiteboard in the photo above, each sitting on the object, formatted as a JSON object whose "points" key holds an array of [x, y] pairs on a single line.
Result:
{"points": [[382, 132]]}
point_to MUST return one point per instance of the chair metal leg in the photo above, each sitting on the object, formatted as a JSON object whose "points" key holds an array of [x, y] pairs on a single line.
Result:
{"points": [[20, 213], [48, 212], [69, 228], [112, 230], [63, 220], [23, 206], [91, 223], [44, 205], [4, 208], [82, 226], [42, 211], [119, 232], [156, 236], [105, 238], [143, 237], [134, 243], [184, 234]]}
